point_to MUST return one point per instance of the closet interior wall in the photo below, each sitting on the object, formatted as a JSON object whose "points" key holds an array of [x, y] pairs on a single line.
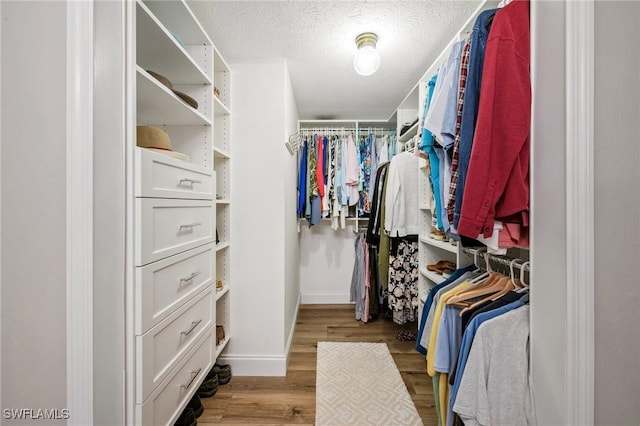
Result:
{"points": [[326, 255], [264, 258]]}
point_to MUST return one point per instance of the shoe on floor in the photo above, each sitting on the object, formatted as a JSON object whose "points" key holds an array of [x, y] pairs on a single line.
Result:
{"points": [[223, 371], [196, 405], [187, 418], [209, 387]]}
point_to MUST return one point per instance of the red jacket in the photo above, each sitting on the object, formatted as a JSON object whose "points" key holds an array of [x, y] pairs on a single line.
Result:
{"points": [[497, 185]]}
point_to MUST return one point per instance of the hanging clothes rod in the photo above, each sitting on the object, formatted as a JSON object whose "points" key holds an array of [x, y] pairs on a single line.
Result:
{"points": [[327, 129], [506, 261]]}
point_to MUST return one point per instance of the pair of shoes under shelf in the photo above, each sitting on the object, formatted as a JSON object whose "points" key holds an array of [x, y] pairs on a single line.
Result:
{"points": [[196, 405], [187, 418], [223, 371], [209, 386]]}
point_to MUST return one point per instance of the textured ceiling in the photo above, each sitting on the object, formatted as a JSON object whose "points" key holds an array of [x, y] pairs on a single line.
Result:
{"points": [[317, 40]]}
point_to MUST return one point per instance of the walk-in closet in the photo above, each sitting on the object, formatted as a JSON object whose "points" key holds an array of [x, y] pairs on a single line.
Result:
{"points": [[319, 212]]}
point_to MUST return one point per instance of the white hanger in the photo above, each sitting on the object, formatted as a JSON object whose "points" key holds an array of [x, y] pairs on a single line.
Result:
{"points": [[511, 274], [522, 268]]}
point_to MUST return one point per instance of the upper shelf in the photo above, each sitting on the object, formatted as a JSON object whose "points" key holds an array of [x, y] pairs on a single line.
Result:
{"points": [[444, 245], [218, 153], [413, 130], [158, 105], [219, 64], [219, 108], [158, 50], [180, 20]]}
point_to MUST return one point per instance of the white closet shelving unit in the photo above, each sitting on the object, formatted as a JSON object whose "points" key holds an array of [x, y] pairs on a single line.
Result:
{"points": [[222, 165], [407, 112], [178, 207]]}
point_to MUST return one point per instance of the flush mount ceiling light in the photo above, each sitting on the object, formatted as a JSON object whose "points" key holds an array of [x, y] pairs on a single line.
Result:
{"points": [[367, 59]]}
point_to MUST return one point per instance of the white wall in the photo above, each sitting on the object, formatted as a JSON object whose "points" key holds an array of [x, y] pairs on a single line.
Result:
{"points": [[259, 223], [292, 241], [617, 213], [548, 201], [33, 240], [326, 263]]}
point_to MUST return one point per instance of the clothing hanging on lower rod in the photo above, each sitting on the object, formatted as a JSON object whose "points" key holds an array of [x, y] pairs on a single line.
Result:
{"points": [[386, 260], [465, 318]]}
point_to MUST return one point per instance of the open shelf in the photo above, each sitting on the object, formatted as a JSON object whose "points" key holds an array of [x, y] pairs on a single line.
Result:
{"points": [[222, 292], [444, 245], [219, 108], [436, 278], [413, 130], [223, 245], [218, 153], [223, 201], [157, 105], [179, 20], [222, 345], [158, 50]]}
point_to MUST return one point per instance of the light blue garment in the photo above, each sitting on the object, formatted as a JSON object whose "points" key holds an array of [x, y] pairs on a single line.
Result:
{"points": [[392, 146], [443, 220], [448, 340], [436, 299], [427, 145], [451, 96], [344, 190]]}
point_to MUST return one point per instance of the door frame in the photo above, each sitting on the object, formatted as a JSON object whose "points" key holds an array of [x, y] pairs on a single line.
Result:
{"points": [[79, 108]]}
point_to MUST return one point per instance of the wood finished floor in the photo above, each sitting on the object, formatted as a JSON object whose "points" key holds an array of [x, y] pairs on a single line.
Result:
{"points": [[292, 399]]}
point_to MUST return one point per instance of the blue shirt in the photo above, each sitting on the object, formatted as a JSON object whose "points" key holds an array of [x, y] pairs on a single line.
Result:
{"points": [[302, 180], [429, 301], [479, 36]]}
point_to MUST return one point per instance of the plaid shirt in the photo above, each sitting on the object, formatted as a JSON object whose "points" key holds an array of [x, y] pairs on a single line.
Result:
{"points": [[464, 69]]}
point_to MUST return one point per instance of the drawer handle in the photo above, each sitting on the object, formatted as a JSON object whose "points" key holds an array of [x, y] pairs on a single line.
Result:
{"points": [[194, 324], [190, 277], [190, 182], [193, 377], [190, 225]]}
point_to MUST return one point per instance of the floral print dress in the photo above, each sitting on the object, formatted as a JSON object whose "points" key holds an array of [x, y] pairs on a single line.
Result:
{"points": [[403, 281]]}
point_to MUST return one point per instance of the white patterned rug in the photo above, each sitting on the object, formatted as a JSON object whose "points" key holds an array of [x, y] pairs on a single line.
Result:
{"points": [[359, 384]]}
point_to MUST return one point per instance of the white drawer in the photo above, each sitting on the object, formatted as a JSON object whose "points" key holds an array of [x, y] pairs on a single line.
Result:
{"points": [[161, 348], [166, 403], [161, 176], [164, 285], [167, 227]]}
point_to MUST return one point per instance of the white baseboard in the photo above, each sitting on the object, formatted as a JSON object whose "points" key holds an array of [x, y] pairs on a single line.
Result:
{"points": [[262, 365], [256, 365], [324, 299], [287, 348]]}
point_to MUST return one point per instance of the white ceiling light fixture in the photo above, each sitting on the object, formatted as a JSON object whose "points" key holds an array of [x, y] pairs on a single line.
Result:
{"points": [[367, 59]]}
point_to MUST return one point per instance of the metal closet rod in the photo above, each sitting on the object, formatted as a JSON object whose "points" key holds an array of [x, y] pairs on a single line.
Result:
{"points": [[481, 252], [327, 129], [362, 130]]}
